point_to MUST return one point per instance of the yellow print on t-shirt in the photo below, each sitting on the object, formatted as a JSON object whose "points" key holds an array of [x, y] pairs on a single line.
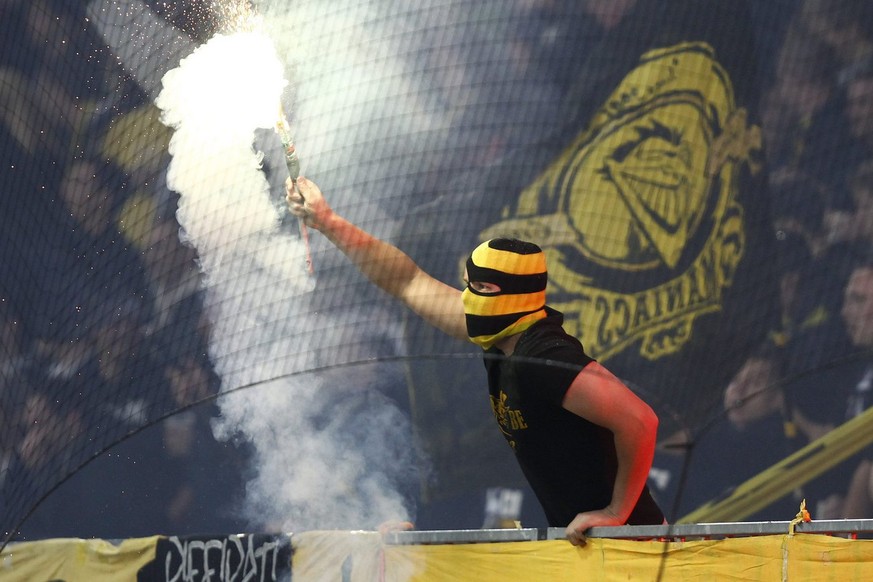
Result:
{"points": [[509, 419]]}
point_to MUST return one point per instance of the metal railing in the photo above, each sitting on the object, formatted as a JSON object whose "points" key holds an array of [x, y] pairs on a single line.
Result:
{"points": [[842, 527]]}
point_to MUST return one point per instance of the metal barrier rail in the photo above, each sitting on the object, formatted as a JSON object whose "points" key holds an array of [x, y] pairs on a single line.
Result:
{"points": [[844, 527]]}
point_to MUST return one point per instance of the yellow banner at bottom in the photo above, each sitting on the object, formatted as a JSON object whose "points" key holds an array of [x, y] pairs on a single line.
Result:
{"points": [[802, 557], [76, 560], [363, 557]]}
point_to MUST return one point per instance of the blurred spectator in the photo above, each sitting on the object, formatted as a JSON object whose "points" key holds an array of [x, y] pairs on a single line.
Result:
{"points": [[87, 399], [827, 392], [801, 305], [138, 143], [124, 377], [89, 267], [189, 385], [796, 111], [797, 204], [859, 495], [10, 429], [754, 393], [858, 317], [78, 475], [119, 390], [56, 66], [753, 414], [858, 311], [813, 268], [12, 359], [820, 401], [855, 226], [90, 195], [51, 425], [755, 407], [20, 116], [201, 475], [53, 430], [858, 86], [859, 102], [12, 389], [846, 26], [808, 120], [174, 281]]}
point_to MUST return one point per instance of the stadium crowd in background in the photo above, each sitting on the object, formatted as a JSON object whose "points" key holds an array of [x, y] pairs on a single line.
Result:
{"points": [[103, 331], [816, 120], [103, 327]]}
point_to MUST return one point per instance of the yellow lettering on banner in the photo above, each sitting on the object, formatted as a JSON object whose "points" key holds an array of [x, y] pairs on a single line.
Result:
{"points": [[661, 316]]}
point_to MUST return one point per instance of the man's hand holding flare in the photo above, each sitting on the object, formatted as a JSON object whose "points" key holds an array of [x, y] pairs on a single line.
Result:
{"points": [[306, 202]]}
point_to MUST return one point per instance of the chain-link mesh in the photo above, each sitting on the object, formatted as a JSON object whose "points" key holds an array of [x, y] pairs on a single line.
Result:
{"points": [[698, 173]]}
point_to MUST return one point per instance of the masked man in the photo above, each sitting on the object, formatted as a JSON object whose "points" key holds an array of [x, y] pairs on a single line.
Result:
{"points": [[584, 441]]}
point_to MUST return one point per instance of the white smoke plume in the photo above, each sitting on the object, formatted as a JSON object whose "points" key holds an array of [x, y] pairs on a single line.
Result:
{"points": [[330, 451], [379, 97]]}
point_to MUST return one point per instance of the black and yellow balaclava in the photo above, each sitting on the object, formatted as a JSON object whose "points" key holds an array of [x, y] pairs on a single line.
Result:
{"points": [[519, 269]]}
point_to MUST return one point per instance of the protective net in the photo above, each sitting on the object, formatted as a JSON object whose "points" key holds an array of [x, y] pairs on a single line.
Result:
{"points": [[178, 354]]}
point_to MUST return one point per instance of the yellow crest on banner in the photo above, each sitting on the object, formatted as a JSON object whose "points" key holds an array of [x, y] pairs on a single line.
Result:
{"points": [[640, 216]]}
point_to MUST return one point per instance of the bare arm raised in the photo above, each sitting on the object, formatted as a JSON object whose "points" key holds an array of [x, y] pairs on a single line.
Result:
{"points": [[384, 264]]}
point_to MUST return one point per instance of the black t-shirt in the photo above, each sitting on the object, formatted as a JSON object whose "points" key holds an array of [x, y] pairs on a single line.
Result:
{"points": [[569, 462]]}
